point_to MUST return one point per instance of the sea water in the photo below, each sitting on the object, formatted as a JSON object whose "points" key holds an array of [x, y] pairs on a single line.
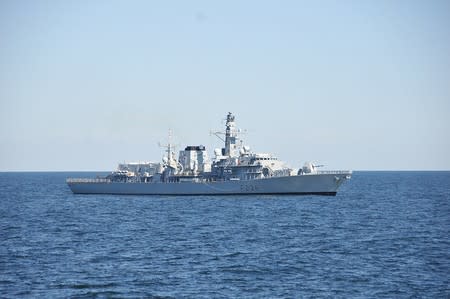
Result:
{"points": [[386, 234]]}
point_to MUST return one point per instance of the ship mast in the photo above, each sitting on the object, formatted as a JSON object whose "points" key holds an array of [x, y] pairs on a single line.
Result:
{"points": [[171, 161], [230, 137], [231, 146]]}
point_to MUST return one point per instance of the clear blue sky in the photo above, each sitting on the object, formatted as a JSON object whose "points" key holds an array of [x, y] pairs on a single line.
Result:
{"points": [[361, 85]]}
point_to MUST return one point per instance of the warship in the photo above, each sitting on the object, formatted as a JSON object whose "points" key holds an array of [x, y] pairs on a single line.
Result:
{"points": [[234, 170]]}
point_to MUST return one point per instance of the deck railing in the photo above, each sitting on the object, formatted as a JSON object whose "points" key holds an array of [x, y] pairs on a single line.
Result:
{"points": [[334, 171], [104, 180], [85, 180]]}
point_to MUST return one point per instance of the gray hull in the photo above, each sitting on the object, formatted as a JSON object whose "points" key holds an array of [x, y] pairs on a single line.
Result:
{"points": [[320, 183]]}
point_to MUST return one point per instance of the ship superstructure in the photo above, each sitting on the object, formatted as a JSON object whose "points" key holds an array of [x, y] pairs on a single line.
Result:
{"points": [[235, 169]]}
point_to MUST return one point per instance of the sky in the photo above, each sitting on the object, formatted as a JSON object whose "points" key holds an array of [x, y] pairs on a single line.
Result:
{"points": [[361, 85]]}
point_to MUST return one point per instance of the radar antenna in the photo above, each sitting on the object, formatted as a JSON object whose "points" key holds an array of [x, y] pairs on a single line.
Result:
{"points": [[232, 142]]}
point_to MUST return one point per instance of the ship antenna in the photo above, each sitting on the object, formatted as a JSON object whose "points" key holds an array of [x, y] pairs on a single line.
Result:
{"points": [[169, 139], [169, 147], [217, 134]]}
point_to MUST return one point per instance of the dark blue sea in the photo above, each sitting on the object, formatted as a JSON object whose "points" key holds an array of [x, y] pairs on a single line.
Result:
{"points": [[385, 235]]}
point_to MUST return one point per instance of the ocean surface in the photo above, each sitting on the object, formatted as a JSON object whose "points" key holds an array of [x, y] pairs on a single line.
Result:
{"points": [[385, 235]]}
